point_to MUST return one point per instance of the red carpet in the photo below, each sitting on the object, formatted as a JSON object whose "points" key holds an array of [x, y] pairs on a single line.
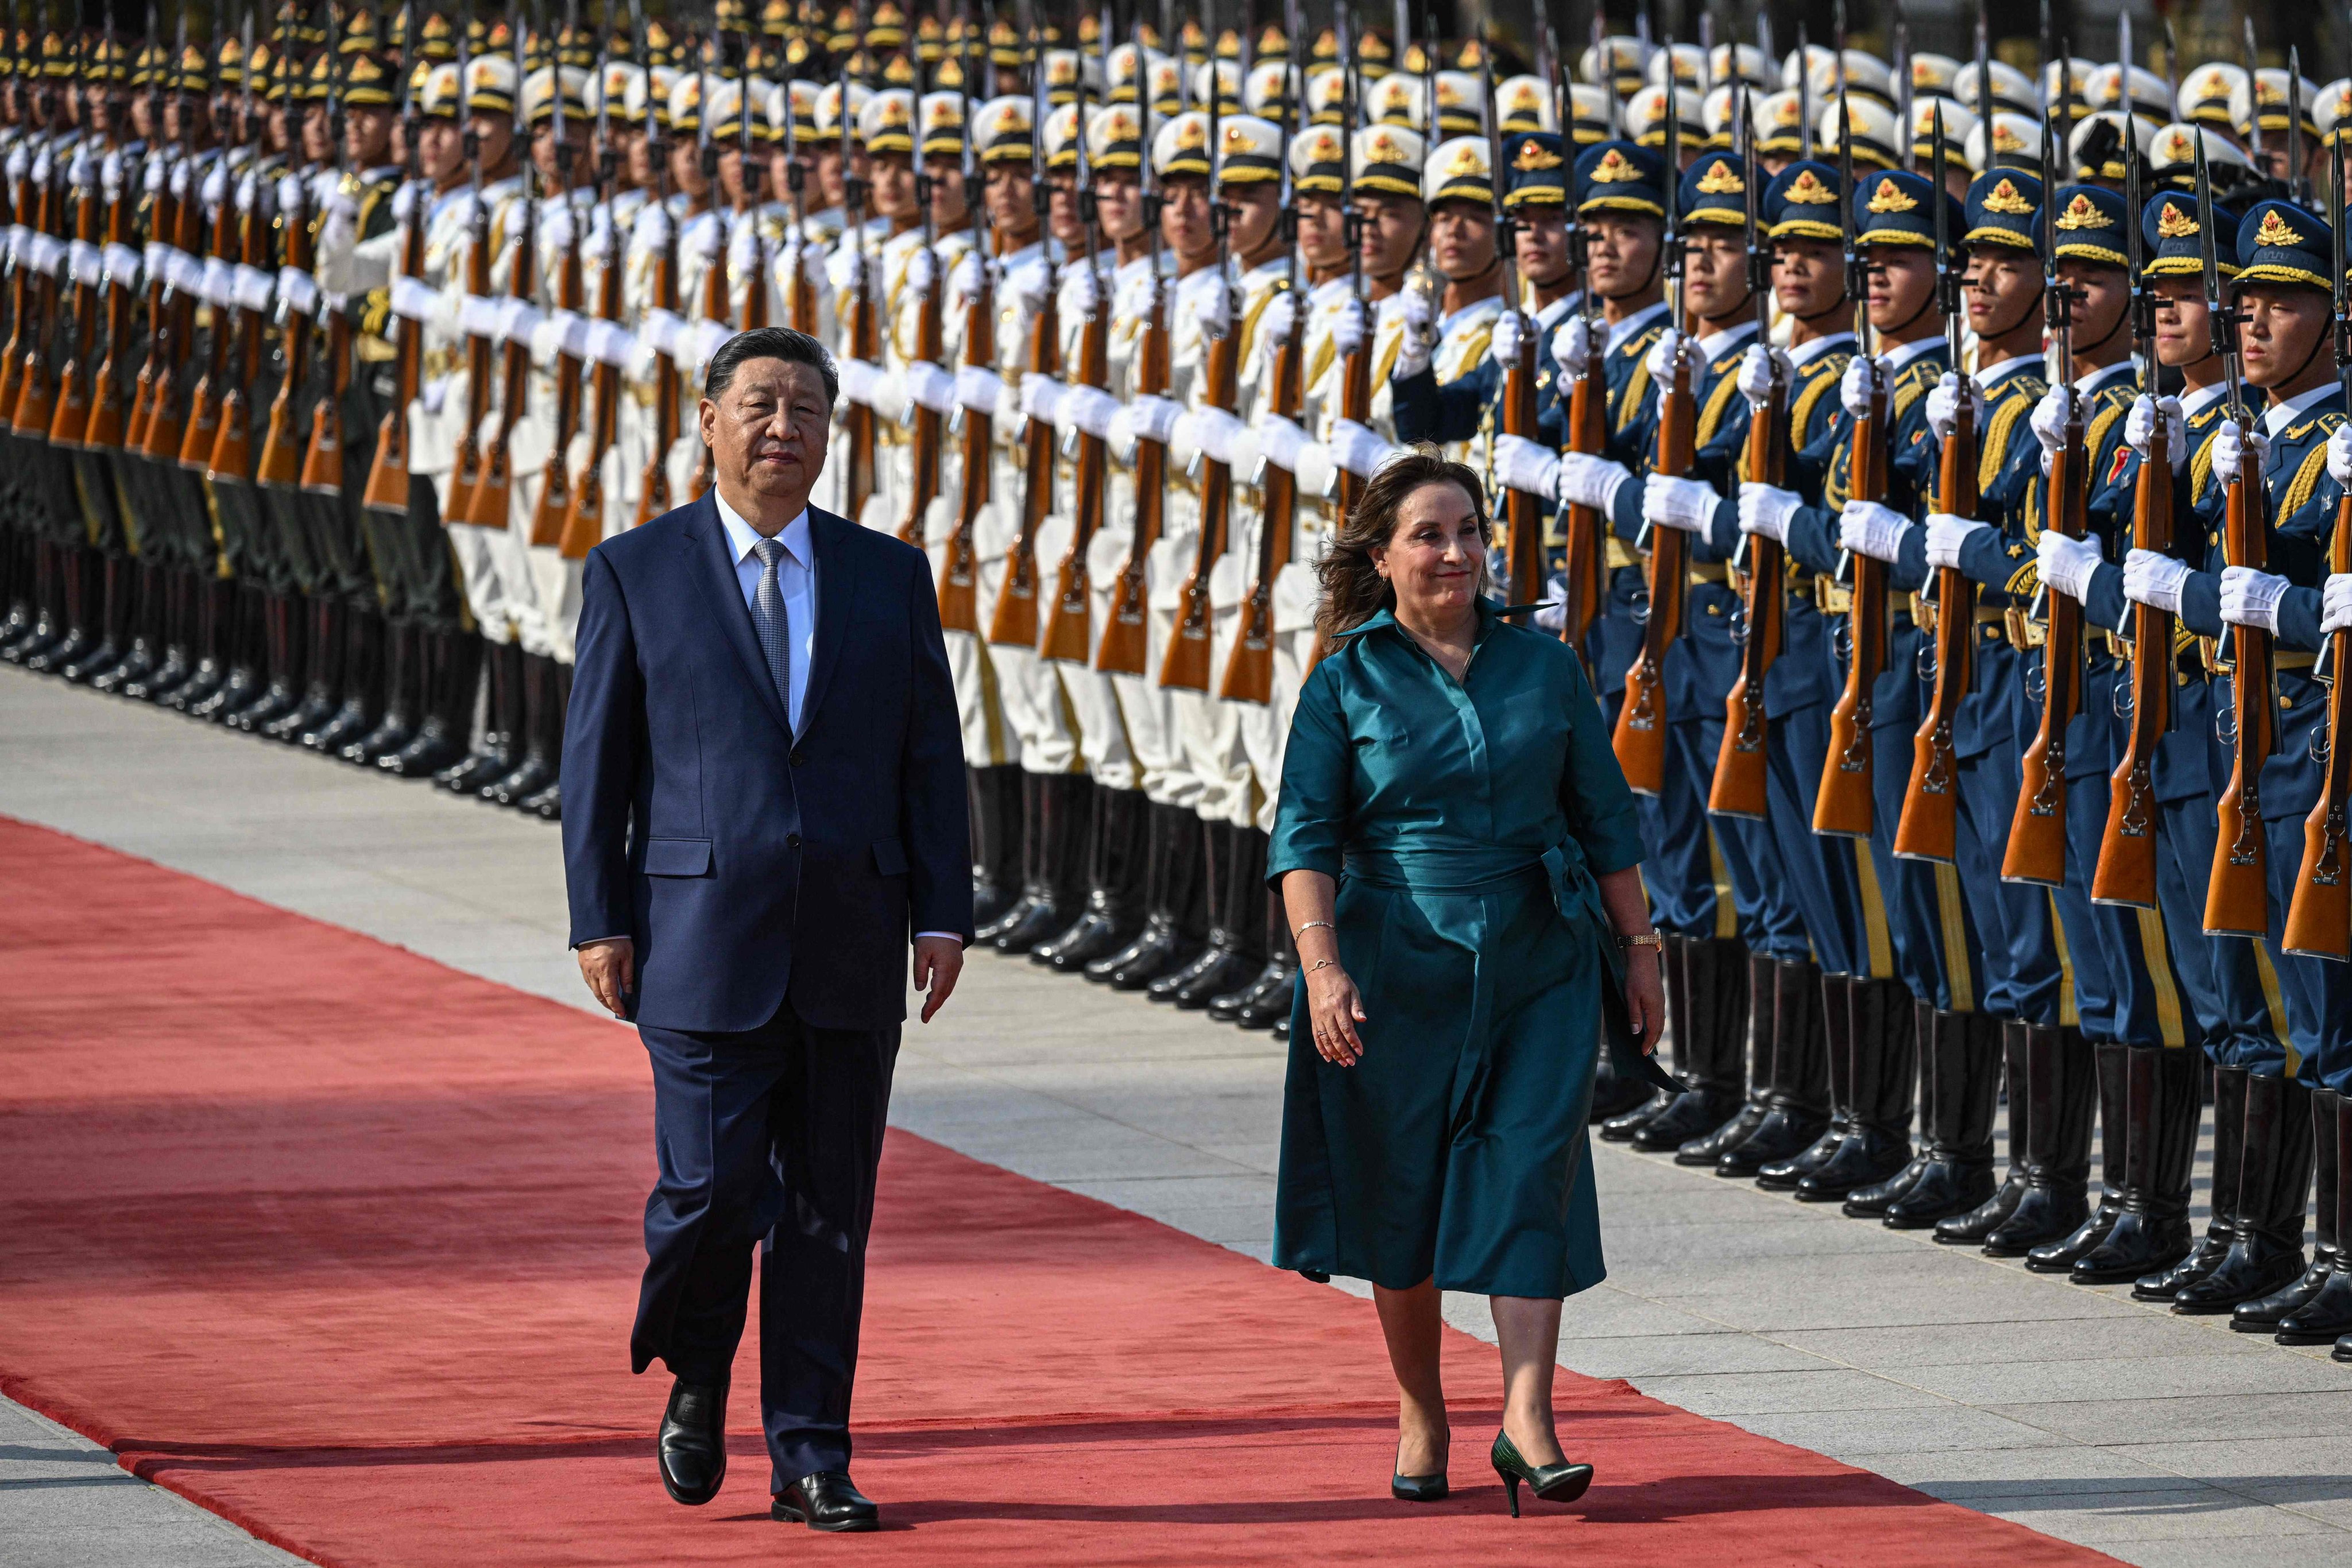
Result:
{"points": [[343, 1246]]}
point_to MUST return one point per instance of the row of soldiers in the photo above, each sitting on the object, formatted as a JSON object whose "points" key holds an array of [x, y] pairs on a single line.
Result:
{"points": [[1936, 464]]}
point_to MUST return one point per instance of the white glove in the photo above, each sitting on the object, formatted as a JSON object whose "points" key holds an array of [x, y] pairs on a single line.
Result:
{"points": [[1943, 404], [2250, 598], [1347, 327], [1503, 346], [1855, 390], [1766, 509], [2231, 445], [922, 270], [1273, 325], [1685, 504], [1214, 309], [1419, 339], [2067, 563], [1028, 284], [1589, 481], [2154, 580], [811, 261], [1147, 418], [1662, 355], [1756, 372], [1041, 397], [930, 386], [1553, 616], [963, 283], [1524, 465], [1361, 451], [857, 377], [1088, 409], [979, 390], [1081, 291], [2139, 424], [2049, 421], [1869, 528], [2336, 604], [1572, 346], [1280, 442], [2340, 455], [1948, 536], [1212, 432], [555, 226]]}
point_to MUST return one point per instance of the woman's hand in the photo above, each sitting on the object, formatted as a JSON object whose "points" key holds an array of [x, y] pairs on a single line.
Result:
{"points": [[1334, 1009], [1645, 998]]}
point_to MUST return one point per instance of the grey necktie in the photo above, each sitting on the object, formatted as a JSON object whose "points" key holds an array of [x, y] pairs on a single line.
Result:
{"points": [[768, 618]]}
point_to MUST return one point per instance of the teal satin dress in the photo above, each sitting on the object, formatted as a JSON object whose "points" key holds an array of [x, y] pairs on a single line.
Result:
{"points": [[1465, 822]]}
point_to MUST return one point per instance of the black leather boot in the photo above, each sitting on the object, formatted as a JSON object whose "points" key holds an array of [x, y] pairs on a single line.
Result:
{"points": [[1065, 812], [539, 721], [1958, 1173], [360, 697], [993, 796], [239, 616], [403, 698], [1837, 1031], [1270, 998], [1797, 1097], [1885, 1053], [1673, 974], [320, 676], [1970, 1229], [71, 615], [2328, 1315], [452, 679], [2161, 1116], [1215, 851], [2229, 1160], [175, 589], [1872, 1200], [1113, 910], [1030, 834], [2264, 1315], [2110, 1071], [2062, 1091], [1243, 895], [546, 802], [111, 619], [282, 659], [492, 755], [1738, 1111], [2266, 1251], [1177, 876], [138, 633], [215, 622]]}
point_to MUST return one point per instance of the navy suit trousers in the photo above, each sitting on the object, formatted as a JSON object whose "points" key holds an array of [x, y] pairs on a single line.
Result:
{"points": [[769, 1138]]}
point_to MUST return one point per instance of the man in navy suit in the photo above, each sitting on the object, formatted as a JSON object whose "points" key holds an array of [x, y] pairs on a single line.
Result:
{"points": [[763, 806]]}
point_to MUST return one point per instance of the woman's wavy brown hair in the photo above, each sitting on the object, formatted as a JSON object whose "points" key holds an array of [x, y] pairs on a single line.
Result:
{"points": [[1353, 590]]}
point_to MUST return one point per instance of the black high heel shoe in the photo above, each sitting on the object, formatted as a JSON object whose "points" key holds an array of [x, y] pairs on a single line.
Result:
{"points": [[1552, 1483], [1418, 1489]]}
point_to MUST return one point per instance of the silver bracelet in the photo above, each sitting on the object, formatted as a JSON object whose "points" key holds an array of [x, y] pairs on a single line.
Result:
{"points": [[1311, 926], [1322, 964]]}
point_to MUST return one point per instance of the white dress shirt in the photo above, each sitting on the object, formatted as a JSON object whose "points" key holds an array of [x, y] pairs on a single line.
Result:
{"points": [[795, 579]]}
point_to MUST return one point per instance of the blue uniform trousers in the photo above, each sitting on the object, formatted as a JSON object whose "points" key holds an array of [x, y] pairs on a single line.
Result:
{"points": [[2022, 976], [2318, 991]]}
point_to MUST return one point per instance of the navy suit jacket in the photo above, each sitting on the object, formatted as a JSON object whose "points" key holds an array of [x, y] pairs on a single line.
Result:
{"points": [[751, 866]]}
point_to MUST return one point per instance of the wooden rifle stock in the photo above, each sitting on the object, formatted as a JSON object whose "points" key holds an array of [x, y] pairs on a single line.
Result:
{"points": [[1069, 624], [2037, 832], [1842, 808], [203, 425], [1016, 620], [20, 316], [232, 454], [70, 421], [467, 470], [2237, 896], [960, 566], [1929, 827], [35, 406], [2319, 916], [387, 480], [163, 219], [924, 451], [552, 513], [323, 459], [281, 457], [653, 486], [716, 306], [583, 524], [1641, 739], [1123, 650], [2125, 872], [1523, 514], [1185, 664], [858, 425], [109, 415], [490, 502], [1249, 668], [161, 436], [1586, 566], [1740, 763]]}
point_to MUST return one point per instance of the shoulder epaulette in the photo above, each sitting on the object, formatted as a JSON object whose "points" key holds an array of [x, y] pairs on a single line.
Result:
{"points": [[1801, 412], [1635, 385], [1996, 437], [1711, 417], [2307, 480]]}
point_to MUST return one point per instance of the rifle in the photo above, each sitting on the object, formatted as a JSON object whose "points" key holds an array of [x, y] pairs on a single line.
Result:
{"points": [[552, 513], [20, 272], [1249, 668], [1121, 650], [1842, 806], [2037, 832], [2125, 872], [108, 414], [584, 526], [1641, 738], [35, 406], [232, 452], [1929, 828], [163, 220], [1523, 512], [1068, 636], [2237, 897], [1185, 664], [859, 328], [323, 463], [467, 470], [2319, 915], [1741, 769], [387, 480], [280, 467], [653, 484], [1585, 536], [71, 418], [715, 303], [490, 503], [1016, 620], [1355, 368], [959, 569], [755, 274], [923, 454], [800, 299], [165, 435]]}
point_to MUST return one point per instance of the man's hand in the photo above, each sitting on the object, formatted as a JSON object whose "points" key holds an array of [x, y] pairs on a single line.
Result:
{"points": [[610, 967], [938, 960]]}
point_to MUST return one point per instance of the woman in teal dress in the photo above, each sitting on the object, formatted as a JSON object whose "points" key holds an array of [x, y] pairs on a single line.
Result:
{"points": [[1456, 848]]}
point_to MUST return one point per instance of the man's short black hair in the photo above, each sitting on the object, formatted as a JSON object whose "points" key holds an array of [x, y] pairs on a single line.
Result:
{"points": [[769, 343]]}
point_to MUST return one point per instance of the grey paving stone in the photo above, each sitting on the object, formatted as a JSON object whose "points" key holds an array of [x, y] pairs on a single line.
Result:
{"points": [[2182, 1372], [2102, 1334], [2171, 1421]]}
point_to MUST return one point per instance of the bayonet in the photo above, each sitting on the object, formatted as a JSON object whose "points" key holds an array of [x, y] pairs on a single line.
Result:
{"points": [[1903, 95], [1804, 94], [2298, 183], [2253, 100]]}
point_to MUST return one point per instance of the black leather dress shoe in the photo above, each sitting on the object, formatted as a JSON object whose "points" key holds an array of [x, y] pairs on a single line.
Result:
{"points": [[828, 1500], [692, 1448]]}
